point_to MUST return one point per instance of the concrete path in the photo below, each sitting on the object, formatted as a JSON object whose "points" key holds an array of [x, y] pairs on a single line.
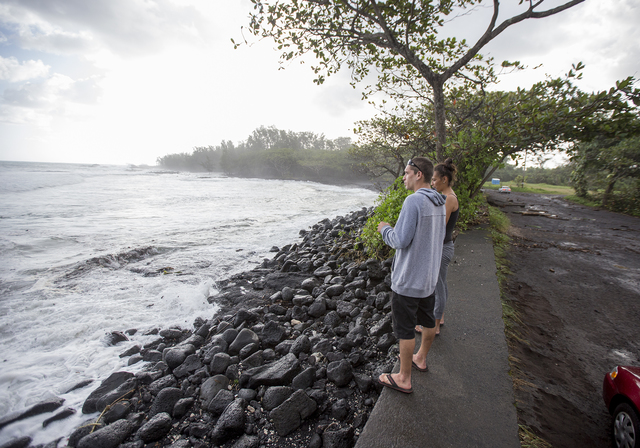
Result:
{"points": [[466, 399]]}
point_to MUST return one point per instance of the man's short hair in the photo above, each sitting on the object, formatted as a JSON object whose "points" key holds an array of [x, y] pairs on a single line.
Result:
{"points": [[425, 165]]}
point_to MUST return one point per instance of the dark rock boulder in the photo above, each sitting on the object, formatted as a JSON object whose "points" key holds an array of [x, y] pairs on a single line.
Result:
{"points": [[275, 396], [273, 334], [182, 406], [109, 436], [125, 390], [278, 373], [255, 360], [112, 382], [289, 415], [219, 363], [385, 342], [248, 350], [161, 383], [231, 423], [211, 387], [317, 308], [165, 401], [375, 269], [218, 404], [245, 337], [383, 326], [337, 438], [323, 271], [335, 290], [229, 335], [115, 337], [340, 372], [68, 412], [156, 428], [247, 441], [332, 319], [247, 394], [195, 339], [36, 409], [20, 442], [190, 365], [84, 429], [301, 345], [176, 355], [304, 379], [117, 411], [287, 294], [171, 333]]}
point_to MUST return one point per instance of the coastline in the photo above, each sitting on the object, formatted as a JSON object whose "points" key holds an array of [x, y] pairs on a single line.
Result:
{"points": [[291, 355]]}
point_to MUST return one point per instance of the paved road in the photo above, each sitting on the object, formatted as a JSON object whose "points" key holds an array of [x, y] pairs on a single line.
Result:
{"points": [[466, 399]]}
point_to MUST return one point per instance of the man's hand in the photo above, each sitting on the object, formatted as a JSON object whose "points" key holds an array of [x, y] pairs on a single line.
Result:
{"points": [[382, 224]]}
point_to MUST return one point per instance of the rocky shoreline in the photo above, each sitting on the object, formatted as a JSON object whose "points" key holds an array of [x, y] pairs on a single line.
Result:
{"points": [[288, 361]]}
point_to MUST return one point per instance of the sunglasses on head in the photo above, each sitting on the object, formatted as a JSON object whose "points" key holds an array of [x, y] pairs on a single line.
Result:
{"points": [[412, 163]]}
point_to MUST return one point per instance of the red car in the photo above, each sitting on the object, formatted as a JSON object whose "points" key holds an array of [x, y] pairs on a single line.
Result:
{"points": [[621, 393]]}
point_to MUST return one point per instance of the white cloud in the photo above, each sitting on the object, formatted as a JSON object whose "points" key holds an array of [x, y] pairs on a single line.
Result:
{"points": [[14, 71], [125, 27], [39, 102]]}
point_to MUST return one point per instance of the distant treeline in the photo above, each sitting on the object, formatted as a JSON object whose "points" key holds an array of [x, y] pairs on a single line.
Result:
{"points": [[272, 153], [554, 176]]}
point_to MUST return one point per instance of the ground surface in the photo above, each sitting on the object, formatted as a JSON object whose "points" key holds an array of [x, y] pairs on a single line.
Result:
{"points": [[576, 286]]}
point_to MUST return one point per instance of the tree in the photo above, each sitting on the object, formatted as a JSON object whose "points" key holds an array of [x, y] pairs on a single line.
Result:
{"points": [[605, 162], [487, 128], [386, 143], [398, 38]]}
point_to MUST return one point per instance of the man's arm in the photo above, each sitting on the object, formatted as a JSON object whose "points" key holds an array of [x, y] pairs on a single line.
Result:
{"points": [[402, 235]]}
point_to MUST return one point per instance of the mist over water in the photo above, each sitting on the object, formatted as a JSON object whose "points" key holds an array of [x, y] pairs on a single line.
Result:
{"points": [[90, 249]]}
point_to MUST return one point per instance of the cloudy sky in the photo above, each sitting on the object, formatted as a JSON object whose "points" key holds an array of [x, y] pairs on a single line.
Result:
{"points": [[126, 81]]}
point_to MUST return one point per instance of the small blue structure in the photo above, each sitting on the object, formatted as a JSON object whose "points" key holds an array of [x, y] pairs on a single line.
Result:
{"points": [[495, 181]]}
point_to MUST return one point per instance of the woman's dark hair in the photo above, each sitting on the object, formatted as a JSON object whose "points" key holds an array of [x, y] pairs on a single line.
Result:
{"points": [[448, 170]]}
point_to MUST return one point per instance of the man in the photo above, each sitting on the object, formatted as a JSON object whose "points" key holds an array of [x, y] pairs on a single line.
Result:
{"points": [[417, 239]]}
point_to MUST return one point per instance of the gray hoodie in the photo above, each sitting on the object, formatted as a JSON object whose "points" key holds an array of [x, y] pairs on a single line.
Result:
{"points": [[417, 239]]}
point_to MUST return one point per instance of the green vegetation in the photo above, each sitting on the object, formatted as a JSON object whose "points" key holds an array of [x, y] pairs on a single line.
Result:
{"points": [[619, 201], [533, 188], [273, 153], [443, 107], [607, 170], [583, 201], [529, 440], [511, 174], [388, 206], [398, 40]]}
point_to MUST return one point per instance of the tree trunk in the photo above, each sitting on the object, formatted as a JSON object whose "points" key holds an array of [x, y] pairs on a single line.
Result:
{"points": [[607, 192], [440, 118]]}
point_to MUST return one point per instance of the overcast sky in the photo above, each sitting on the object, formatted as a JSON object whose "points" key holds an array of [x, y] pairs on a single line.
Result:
{"points": [[126, 81]]}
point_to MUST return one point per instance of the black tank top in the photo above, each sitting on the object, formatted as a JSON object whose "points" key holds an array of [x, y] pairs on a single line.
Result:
{"points": [[453, 217]]}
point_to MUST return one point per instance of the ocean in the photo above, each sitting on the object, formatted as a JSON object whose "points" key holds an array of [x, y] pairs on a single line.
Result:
{"points": [[90, 249]]}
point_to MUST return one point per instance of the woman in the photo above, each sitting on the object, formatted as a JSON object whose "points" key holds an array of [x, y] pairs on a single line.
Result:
{"points": [[444, 175]]}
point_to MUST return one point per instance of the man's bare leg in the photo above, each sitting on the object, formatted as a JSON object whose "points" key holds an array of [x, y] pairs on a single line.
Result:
{"points": [[420, 358], [403, 377]]}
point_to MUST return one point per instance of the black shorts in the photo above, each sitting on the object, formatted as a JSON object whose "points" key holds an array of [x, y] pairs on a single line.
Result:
{"points": [[409, 311]]}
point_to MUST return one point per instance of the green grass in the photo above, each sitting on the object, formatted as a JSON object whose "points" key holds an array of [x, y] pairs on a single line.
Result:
{"points": [[533, 188], [529, 440], [583, 201]]}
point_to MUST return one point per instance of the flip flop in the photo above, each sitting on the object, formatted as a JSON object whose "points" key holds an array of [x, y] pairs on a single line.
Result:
{"points": [[392, 385], [415, 366]]}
